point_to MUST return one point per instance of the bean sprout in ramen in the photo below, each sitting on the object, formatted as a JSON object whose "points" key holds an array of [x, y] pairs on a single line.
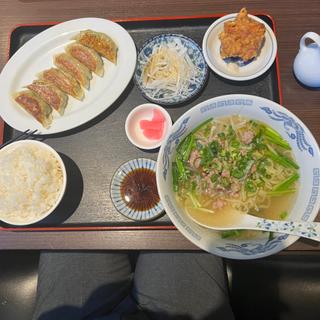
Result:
{"points": [[235, 162]]}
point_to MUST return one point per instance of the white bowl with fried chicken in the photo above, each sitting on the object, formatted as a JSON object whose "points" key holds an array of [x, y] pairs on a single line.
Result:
{"points": [[239, 46]]}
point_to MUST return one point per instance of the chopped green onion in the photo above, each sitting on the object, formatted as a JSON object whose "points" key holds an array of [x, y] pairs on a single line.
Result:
{"points": [[180, 166], [237, 173], [214, 147], [231, 133], [235, 144], [175, 177], [262, 170], [207, 131], [284, 185], [185, 147], [274, 137], [281, 159], [225, 182], [231, 233], [250, 187], [247, 167], [182, 172], [254, 124], [188, 149], [217, 165], [214, 178], [222, 153], [181, 145], [271, 236], [283, 215], [284, 144], [234, 155], [206, 156]]}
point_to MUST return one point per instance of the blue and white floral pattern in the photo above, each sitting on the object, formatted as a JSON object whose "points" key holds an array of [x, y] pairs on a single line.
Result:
{"points": [[293, 128], [314, 194], [251, 249], [309, 230]]}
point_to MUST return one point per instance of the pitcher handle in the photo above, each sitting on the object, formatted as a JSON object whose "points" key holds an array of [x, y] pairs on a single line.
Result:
{"points": [[309, 35]]}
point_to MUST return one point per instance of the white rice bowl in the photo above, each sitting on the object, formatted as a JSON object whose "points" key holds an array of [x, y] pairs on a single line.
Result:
{"points": [[32, 182]]}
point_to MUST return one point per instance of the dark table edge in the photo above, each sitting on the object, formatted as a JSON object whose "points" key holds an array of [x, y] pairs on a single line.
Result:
{"points": [[112, 240]]}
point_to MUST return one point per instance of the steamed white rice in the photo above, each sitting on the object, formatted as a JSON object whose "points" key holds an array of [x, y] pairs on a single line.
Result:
{"points": [[31, 179]]}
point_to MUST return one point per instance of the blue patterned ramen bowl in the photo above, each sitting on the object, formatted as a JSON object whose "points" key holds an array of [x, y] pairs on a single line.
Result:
{"points": [[304, 148], [157, 62]]}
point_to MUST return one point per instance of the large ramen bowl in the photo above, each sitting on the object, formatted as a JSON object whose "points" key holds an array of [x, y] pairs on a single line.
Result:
{"points": [[305, 151]]}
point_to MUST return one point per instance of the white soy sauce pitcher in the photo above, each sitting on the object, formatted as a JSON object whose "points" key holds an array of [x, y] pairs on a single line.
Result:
{"points": [[306, 65]]}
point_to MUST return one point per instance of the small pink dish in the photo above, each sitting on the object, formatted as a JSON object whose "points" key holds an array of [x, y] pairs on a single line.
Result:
{"points": [[147, 126]]}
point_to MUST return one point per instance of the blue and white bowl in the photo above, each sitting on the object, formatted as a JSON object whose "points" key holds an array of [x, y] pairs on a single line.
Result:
{"points": [[194, 52], [305, 150]]}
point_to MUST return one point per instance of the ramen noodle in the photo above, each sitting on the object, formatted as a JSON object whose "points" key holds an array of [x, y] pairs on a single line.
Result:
{"points": [[234, 163]]}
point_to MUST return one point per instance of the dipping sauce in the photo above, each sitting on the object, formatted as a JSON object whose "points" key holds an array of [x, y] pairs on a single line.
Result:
{"points": [[139, 189]]}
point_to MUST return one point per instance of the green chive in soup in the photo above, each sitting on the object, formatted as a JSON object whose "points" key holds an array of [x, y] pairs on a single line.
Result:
{"points": [[234, 162]]}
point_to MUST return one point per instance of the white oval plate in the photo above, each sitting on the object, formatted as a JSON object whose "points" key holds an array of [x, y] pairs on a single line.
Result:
{"points": [[211, 51], [304, 147], [37, 55]]}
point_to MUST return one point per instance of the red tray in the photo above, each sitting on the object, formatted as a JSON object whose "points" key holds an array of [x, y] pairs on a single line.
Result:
{"points": [[92, 213]]}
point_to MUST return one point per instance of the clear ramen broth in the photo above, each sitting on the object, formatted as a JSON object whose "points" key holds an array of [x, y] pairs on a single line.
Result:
{"points": [[234, 164]]}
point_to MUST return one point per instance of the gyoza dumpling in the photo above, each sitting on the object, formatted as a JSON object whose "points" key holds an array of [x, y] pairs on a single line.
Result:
{"points": [[87, 57], [53, 96], [99, 42], [63, 81], [35, 106], [76, 69]]}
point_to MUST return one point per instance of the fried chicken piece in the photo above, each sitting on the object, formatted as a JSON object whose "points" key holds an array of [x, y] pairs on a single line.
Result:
{"points": [[242, 37]]}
